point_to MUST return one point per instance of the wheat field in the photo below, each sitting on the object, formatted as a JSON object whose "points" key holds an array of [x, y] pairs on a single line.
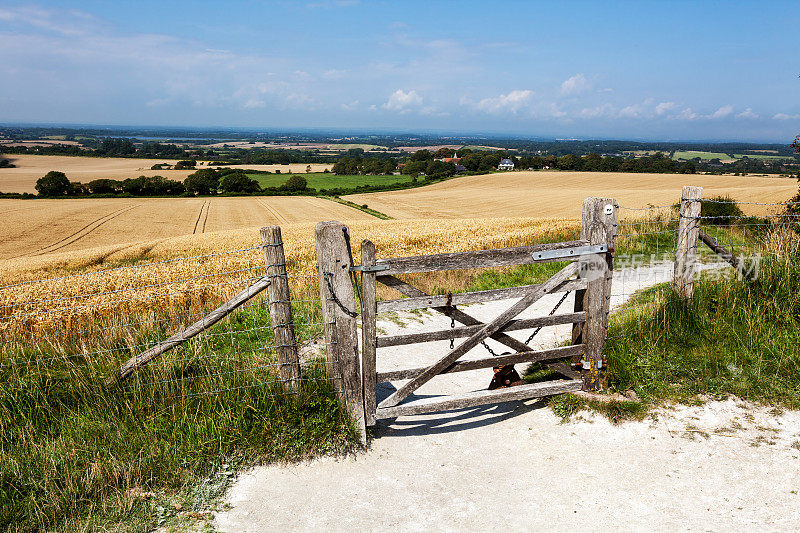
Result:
{"points": [[38, 227], [30, 168], [560, 194]]}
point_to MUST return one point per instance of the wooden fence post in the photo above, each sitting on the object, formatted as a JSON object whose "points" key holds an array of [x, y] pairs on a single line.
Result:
{"points": [[339, 314], [369, 308], [686, 249], [598, 226], [280, 308]]}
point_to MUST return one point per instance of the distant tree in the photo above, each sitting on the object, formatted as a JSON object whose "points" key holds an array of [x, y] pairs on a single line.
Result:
{"points": [[295, 184], [688, 168], [439, 169], [103, 186], [238, 182], [152, 186], [54, 183], [5, 163], [204, 181], [441, 153], [185, 164]]}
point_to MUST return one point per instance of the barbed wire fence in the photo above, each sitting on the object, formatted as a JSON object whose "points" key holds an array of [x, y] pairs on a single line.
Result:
{"points": [[77, 331], [720, 238]]}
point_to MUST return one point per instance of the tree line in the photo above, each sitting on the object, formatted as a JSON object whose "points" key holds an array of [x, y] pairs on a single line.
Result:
{"points": [[206, 181]]}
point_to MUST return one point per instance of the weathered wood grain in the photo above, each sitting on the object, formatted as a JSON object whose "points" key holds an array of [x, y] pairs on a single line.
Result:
{"points": [[487, 362], [686, 250], [341, 332], [466, 331], [280, 308], [472, 399], [368, 331], [731, 258], [521, 255], [464, 298]]}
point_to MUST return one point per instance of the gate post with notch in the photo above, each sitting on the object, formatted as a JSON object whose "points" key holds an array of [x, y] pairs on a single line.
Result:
{"points": [[686, 248], [339, 315], [598, 226], [369, 306], [280, 308]]}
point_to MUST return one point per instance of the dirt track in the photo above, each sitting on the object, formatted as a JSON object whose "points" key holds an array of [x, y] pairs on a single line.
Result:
{"points": [[515, 466]]}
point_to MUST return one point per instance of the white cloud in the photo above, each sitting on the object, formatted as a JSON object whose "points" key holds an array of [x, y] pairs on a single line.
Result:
{"points": [[784, 116], [604, 110], [663, 107], [747, 113], [687, 114], [632, 111], [722, 112], [254, 103], [575, 85], [352, 106], [512, 101], [402, 101]]}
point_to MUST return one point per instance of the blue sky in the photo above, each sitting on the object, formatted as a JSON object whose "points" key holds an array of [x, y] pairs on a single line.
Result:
{"points": [[643, 70]]}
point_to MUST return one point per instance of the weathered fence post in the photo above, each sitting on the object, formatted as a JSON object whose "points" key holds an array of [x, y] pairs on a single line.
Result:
{"points": [[280, 308], [369, 305], [339, 314], [686, 249], [598, 226]]}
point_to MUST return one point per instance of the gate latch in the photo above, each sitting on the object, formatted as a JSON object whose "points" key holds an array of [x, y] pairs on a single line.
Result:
{"points": [[570, 252]]}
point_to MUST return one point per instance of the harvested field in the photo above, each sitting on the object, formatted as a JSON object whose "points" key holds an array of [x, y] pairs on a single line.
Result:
{"points": [[39, 227], [560, 194], [30, 168]]}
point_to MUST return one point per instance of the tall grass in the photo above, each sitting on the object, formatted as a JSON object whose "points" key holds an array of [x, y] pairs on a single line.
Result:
{"points": [[76, 453], [734, 337]]}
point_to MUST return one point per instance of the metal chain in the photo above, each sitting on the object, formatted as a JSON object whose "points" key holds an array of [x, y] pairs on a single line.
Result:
{"points": [[537, 330], [328, 276]]}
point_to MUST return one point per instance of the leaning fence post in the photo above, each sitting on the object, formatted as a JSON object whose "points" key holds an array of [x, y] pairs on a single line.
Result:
{"points": [[339, 315], [598, 226], [686, 248], [280, 308]]}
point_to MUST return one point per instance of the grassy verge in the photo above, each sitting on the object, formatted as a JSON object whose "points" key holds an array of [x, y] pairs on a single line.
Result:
{"points": [[735, 337], [362, 207], [76, 454]]}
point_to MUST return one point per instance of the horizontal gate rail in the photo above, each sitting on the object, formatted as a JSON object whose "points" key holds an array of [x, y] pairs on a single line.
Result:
{"points": [[520, 255], [463, 298], [481, 397], [487, 330], [489, 362], [466, 331]]}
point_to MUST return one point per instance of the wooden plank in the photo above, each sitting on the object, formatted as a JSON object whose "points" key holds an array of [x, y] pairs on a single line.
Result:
{"points": [[482, 397], [457, 314], [487, 362], [464, 298], [521, 255], [732, 259], [368, 331], [686, 250], [280, 308], [338, 310], [466, 331], [476, 338], [198, 327]]}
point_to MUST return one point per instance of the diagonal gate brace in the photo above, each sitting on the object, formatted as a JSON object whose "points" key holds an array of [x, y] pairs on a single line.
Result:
{"points": [[489, 329]]}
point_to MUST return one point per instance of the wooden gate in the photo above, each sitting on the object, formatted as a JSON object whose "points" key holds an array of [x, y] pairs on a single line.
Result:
{"points": [[588, 273]]}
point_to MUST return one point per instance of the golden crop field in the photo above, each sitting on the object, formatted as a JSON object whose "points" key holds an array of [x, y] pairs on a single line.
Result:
{"points": [[30, 168], [560, 194], [38, 227], [99, 295]]}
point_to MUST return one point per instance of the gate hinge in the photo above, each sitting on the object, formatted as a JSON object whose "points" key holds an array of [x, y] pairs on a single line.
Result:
{"points": [[374, 268]]}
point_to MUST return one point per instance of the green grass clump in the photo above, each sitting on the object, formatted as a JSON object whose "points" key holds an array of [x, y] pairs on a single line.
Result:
{"points": [[734, 337], [78, 454], [326, 180]]}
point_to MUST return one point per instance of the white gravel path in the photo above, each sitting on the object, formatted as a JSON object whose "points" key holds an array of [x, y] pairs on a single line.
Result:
{"points": [[516, 466]]}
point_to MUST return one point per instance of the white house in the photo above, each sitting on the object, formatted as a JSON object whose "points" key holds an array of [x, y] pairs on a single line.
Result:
{"points": [[505, 164]]}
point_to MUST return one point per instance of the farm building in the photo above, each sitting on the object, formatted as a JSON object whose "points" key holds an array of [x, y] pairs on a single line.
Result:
{"points": [[505, 164]]}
